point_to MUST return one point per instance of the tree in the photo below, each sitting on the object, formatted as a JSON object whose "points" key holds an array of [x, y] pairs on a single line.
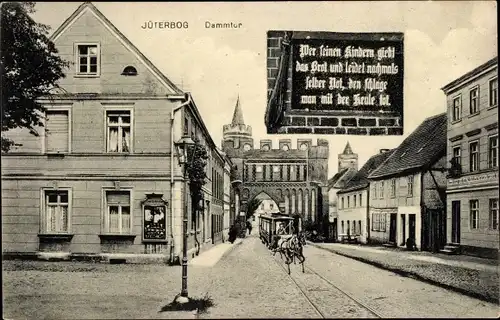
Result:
{"points": [[30, 68], [252, 206]]}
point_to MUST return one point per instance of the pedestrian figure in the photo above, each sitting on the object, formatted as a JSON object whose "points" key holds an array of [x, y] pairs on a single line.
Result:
{"points": [[249, 227]]}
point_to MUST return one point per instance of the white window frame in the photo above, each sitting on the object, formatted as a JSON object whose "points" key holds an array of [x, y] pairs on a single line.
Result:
{"points": [[470, 156], [43, 210], [459, 98], [475, 88], [410, 184], [493, 213], [49, 108], [492, 165], [105, 214], [77, 60], [489, 93], [382, 186], [118, 108], [393, 188], [475, 212], [459, 148]]}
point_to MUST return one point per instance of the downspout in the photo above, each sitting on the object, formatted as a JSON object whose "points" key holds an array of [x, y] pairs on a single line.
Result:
{"points": [[368, 222], [172, 148], [422, 211]]}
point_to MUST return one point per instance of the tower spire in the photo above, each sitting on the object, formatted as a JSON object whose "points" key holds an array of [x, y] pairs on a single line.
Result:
{"points": [[238, 114], [347, 149]]}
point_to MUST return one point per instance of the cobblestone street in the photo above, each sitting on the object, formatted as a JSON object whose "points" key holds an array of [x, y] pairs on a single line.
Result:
{"points": [[248, 282]]}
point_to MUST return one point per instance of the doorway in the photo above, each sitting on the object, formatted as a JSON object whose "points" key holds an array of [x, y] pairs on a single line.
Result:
{"points": [[412, 226], [403, 229], [392, 228], [455, 221]]}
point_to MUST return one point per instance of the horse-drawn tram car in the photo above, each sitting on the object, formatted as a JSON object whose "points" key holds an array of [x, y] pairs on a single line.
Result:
{"points": [[274, 224]]}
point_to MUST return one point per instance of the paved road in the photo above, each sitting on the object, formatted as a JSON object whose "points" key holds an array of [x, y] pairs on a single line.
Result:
{"points": [[248, 282], [332, 286], [388, 294]]}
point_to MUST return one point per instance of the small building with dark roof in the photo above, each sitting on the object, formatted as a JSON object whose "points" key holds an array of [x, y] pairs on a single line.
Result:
{"points": [[472, 153], [407, 191], [353, 204]]}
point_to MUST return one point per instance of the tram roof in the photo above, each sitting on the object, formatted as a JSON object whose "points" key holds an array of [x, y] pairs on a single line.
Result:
{"points": [[276, 216]]}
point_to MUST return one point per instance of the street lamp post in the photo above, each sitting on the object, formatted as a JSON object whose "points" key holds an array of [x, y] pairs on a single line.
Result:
{"points": [[182, 151]]}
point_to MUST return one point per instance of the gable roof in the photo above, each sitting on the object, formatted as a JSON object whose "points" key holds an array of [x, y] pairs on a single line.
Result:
{"points": [[421, 148], [333, 180], [89, 7], [360, 179], [339, 180]]}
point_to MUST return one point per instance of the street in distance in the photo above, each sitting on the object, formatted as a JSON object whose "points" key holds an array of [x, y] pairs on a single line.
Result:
{"points": [[225, 25]]}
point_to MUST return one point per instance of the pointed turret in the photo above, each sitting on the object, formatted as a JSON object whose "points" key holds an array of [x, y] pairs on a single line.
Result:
{"points": [[348, 159], [238, 114], [347, 149]]}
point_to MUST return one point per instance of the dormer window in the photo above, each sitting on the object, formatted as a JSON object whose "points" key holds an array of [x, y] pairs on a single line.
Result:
{"points": [[129, 71], [87, 59]]}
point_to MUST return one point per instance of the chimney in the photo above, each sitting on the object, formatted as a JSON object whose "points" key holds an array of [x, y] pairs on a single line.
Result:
{"points": [[383, 150]]}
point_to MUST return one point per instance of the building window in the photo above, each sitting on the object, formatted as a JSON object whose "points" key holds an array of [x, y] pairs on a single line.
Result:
{"points": [[281, 172], [354, 202], [493, 93], [494, 214], [342, 206], [264, 172], [57, 128], [348, 201], [473, 101], [360, 200], [56, 208], [382, 190], [410, 185], [119, 131], [393, 188], [493, 152], [474, 156], [353, 227], [457, 108], [457, 156], [342, 227], [186, 126], [474, 214], [378, 222], [118, 215], [359, 227], [374, 190], [88, 59]]}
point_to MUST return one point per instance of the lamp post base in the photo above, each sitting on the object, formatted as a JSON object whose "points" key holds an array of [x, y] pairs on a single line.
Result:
{"points": [[181, 300]]}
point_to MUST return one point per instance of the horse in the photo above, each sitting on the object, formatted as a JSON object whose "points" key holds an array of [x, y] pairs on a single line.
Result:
{"points": [[291, 249]]}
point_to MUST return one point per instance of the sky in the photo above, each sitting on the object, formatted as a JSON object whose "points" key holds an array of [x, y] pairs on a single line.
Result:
{"points": [[443, 40]]}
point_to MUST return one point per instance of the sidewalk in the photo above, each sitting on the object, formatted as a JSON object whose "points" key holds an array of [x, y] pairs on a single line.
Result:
{"points": [[472, 276], [210, 257]]}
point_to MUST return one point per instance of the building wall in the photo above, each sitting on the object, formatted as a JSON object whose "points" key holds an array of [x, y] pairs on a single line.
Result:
{"points": [[482, 237], [115, 56], [481, 184], [383, 203], [353, 211]]}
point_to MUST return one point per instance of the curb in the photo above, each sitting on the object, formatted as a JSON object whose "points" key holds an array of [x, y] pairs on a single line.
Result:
{"points": [[235, 244], [413, 275]]}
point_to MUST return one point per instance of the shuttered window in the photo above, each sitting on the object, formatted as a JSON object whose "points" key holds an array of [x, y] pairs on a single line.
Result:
{"points": [[57, 131]]}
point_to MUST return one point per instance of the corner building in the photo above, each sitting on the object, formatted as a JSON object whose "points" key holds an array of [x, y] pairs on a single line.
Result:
{"points": [[103, 177], [472, 153], [295, 179]]}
